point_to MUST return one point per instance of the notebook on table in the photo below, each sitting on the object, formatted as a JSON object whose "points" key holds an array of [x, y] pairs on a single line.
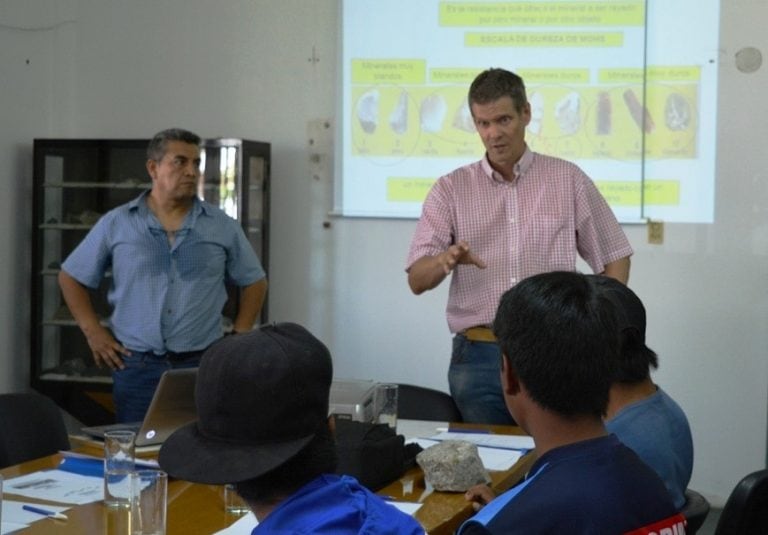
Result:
{"points": [[172, 406]]}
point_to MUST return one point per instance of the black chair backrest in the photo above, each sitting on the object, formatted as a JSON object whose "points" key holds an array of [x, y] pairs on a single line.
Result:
{"points": [[421, 403], [746, 511], [31, 426], [695, 511]]}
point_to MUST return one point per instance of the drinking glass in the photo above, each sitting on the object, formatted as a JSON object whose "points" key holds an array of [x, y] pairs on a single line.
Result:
{"points": [[119, 460], [386, 404], [149, 502], [233, 503]]}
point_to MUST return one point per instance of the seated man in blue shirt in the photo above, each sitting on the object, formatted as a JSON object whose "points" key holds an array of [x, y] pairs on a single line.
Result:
{"points": [[262, 403], [559, 340], [170, 254], [640, 413]]}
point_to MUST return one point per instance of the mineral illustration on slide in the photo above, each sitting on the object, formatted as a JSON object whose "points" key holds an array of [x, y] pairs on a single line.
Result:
{"points": [[604, 114], [536, 100], [432, 113], [462, 118], [639, 112], [398, 117], [677, 112], [568, 113], [368, 111]]}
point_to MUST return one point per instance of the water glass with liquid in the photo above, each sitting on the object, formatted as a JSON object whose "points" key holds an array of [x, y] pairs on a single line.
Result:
{"points": [[149, 502], [386, 404], [119, 461]]}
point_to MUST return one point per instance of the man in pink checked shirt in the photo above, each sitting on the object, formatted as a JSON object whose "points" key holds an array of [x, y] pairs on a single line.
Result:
{"points": [[494, 222]]}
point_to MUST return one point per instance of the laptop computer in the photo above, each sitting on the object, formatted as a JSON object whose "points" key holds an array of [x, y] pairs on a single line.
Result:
{"points": [[172, 406]]}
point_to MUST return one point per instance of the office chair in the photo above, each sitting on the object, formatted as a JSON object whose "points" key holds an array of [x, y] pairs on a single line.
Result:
{"points": [[31, 426], [746, 511], [695, 510], [421, 403]]}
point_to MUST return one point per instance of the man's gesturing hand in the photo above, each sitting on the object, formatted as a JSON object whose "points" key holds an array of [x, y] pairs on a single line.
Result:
{"points": [[459, 253]]}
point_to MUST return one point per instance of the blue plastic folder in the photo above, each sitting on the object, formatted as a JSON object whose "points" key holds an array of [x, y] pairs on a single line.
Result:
{"points": [[83, 466], [86, 465]]}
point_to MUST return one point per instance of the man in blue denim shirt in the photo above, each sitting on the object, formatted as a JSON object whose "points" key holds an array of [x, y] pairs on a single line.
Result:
{"points": [[170, 254], [640, 413]]}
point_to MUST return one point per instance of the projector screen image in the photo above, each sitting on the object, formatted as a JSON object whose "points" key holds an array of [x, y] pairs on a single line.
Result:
{"points": [[625, 89]]}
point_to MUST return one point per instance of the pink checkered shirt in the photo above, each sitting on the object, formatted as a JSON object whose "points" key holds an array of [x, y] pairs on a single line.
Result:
{"points": [[538, 222]]}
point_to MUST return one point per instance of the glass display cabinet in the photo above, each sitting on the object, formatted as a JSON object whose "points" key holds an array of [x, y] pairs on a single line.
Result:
{"points": [[75, 182]]}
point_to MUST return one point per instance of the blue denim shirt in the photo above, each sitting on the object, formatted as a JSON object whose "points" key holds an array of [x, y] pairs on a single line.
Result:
{"points": [[657, 429], [165, 297]]}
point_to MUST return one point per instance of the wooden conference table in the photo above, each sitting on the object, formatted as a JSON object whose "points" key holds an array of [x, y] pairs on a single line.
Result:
{"points": [[198, 509]]}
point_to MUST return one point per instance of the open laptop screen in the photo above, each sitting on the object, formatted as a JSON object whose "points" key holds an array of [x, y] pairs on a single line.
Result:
{"points": [[172, 406]]}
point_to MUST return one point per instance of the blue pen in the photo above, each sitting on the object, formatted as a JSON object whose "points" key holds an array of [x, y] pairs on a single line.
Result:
{"points": [[46, 512]]}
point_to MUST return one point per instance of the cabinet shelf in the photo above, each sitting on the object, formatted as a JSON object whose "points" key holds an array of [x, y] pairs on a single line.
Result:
{"points": [[64, 226], [123, 185], [95, 184], [69, 378]]}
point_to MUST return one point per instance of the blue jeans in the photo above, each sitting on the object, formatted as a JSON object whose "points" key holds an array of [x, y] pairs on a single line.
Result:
{"points": [[475, 382], [134, 386]]}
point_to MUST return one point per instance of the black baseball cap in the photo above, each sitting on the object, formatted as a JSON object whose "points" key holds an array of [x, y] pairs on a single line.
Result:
{"points": [[261, 397]]}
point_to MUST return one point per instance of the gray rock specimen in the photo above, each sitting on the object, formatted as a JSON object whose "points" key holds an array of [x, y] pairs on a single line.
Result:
{"points": [[452, 465]]}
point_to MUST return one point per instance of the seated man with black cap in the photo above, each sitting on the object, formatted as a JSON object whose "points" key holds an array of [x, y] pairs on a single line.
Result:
{"points": [[262, 403], [640, 413]]}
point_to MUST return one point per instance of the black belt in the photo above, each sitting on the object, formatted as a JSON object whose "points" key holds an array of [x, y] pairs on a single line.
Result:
{"points": [[183, 355], [173, 356]]}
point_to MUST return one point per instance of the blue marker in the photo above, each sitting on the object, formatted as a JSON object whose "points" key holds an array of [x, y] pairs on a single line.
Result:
{"points": [[46, 512]]}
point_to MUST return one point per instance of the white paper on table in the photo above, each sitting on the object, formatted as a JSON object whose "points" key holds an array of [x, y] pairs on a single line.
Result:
{"points": [[10, 527], [57, 486], [490, 440], [243, 526], [408, 508], [497, 459], [492, 458], [14, 512]]}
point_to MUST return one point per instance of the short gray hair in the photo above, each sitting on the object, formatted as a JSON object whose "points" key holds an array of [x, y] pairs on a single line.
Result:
{"points": [[159, 144]]}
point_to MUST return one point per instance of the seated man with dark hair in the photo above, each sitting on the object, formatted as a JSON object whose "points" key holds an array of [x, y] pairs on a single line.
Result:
{"points": [[640, 413], [559, 344], [262, 404]]}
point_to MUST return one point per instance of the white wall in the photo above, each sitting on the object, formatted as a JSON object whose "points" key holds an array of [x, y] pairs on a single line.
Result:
{"points": [[241, 68]]}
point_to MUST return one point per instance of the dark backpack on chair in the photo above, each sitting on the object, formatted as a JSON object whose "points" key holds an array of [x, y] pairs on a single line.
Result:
{"points": [[372, 453]]}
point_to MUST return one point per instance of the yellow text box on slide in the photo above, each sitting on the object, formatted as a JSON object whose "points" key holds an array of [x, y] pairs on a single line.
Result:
{"points": [[627, 193], [490, 14], [389, 71], [544, 39], [616, 193], [408, 189]]}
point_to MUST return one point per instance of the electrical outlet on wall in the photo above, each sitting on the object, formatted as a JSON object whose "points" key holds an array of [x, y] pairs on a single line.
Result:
{"points": [[655, 232]]}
